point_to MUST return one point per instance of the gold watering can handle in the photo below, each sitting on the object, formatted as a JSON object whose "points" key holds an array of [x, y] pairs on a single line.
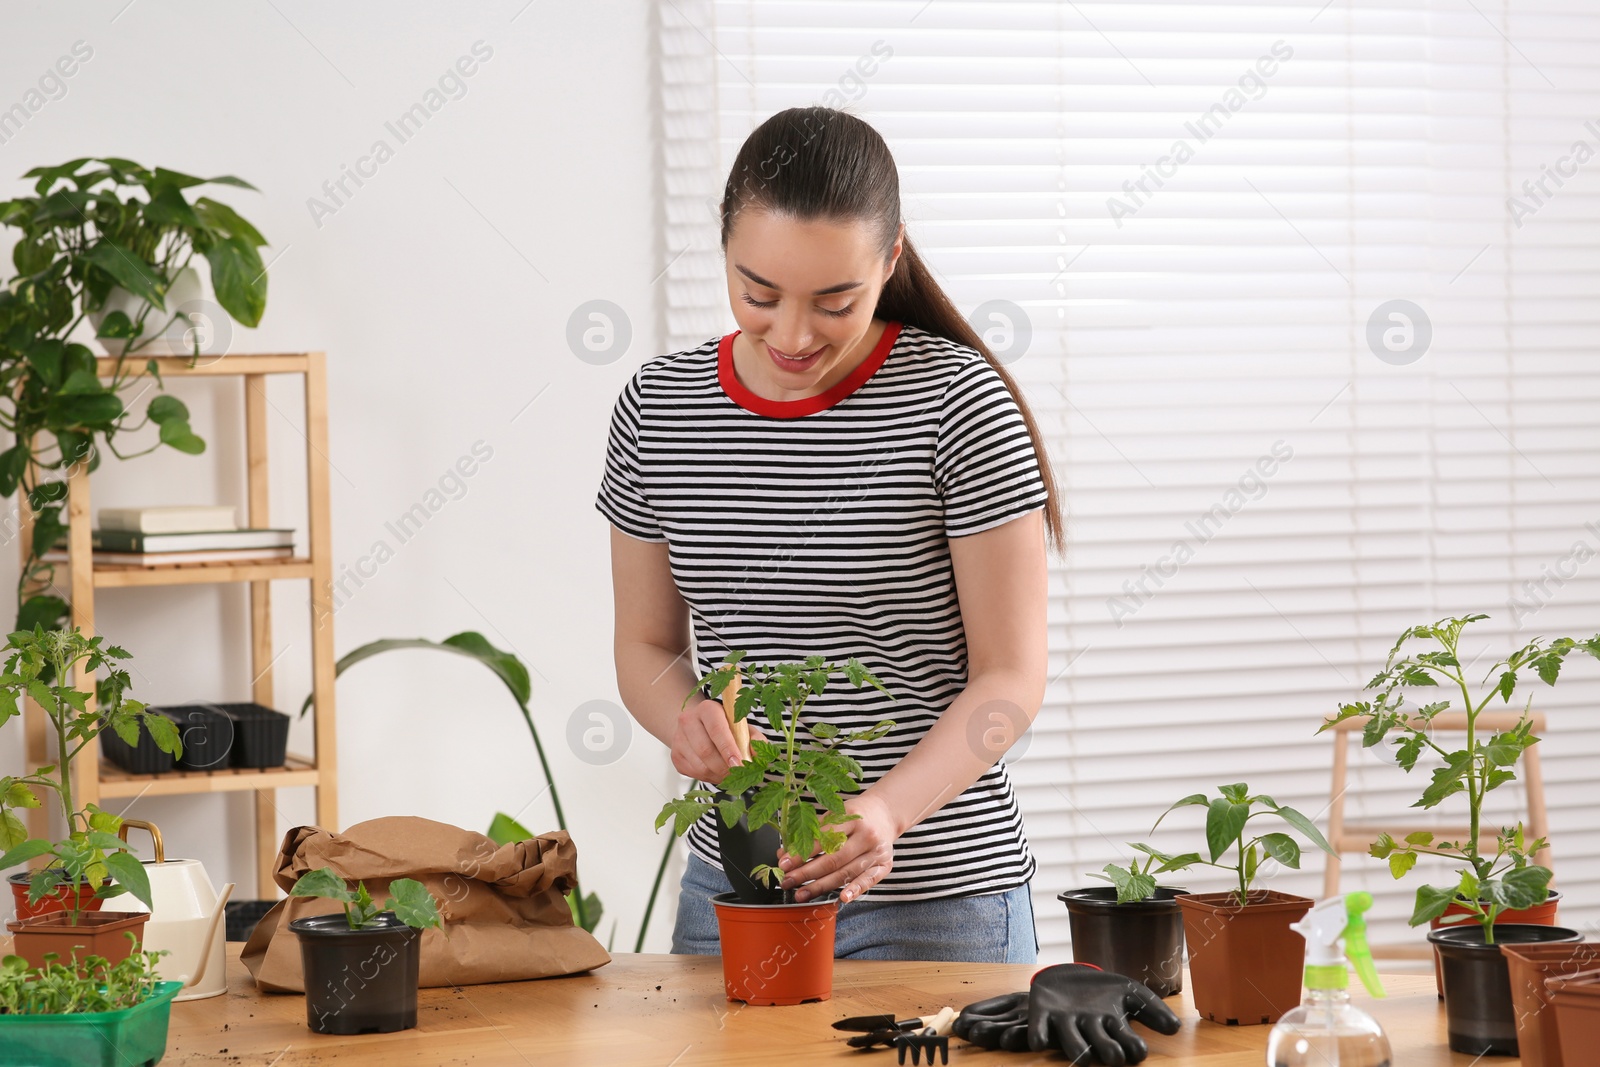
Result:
{"points": [[154, 831]]}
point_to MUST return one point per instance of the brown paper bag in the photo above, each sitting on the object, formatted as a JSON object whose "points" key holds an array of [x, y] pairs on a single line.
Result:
{"points": [[503, 905]]}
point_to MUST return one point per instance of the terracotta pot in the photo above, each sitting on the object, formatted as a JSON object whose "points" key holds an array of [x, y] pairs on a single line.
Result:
{"points": [[97, 933], [58, 900], [1528, 967], [1577, 1005], [1142, 939], [1477, 984], [1245, 963], [1538, 915], [776, 953]]}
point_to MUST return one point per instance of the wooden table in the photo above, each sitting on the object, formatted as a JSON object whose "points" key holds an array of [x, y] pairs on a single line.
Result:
{"points": [[670, 1011]]}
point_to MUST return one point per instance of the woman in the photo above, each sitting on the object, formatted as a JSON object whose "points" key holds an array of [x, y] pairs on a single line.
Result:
{"points": [[850, 473]]}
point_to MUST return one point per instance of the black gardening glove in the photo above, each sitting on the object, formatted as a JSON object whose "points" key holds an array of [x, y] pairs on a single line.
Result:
{"points": [[1084, 1012], [997, 1023]]}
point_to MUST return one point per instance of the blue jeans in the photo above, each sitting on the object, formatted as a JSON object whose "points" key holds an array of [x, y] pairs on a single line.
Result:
{"points": [[991, 928]]}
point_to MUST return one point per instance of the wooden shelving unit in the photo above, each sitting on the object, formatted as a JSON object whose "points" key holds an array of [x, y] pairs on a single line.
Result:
{"points": [[94, 780]]}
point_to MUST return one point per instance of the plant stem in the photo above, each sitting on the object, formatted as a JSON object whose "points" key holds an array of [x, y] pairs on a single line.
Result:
{"points": [[655, 888]]}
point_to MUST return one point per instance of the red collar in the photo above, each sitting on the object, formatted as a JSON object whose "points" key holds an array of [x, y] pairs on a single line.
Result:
{"points": [[810, 405]]}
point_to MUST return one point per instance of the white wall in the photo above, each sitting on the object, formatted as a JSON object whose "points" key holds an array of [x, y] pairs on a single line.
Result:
{"points": [[441, 291]]}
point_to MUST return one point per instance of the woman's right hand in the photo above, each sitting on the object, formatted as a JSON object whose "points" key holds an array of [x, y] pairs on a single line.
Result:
{"points": [[703, 747]]}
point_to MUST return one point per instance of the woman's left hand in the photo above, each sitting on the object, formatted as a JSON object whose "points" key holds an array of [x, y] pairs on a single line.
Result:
{"points": [[861, 862]]}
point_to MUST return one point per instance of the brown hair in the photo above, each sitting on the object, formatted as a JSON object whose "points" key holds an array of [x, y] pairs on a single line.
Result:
{"points": [[818, 163]]}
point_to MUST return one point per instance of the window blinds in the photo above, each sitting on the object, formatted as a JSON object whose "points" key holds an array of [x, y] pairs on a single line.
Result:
{"points": [[1303, 296]]}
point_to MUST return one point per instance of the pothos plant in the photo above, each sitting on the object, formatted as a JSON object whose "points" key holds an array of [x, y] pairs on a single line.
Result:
{"points": [[83, 234], [1489, 884], [799, 780], [1228, 818], [39, 665], [409, 900]]}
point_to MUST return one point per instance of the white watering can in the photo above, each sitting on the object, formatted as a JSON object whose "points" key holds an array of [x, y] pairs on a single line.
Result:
{"points": [[185, 920]]}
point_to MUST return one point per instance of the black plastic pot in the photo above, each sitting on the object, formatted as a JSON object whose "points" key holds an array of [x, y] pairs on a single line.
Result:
{"points": [[1477, 984], [260, 735], [741, 850], [359, 981], [1141, 939], [207, 735]]}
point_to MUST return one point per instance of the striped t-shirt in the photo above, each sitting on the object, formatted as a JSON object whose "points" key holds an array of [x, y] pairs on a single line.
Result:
{"points": [[819, 527]]}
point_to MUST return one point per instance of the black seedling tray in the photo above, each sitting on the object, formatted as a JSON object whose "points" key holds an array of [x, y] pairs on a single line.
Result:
{"points": [[260, 735], [207, 734], [143, 758]]}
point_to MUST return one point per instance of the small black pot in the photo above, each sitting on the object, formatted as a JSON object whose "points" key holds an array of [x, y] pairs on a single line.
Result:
{"points": [[1477, 984], [1141, 939], [260, 735], [359, 981], [742, 849]]}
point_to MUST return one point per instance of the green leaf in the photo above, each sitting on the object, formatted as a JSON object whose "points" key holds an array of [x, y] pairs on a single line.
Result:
{"points": [[507, 667], [503, 830], [1506, 685], [413, 905], [130, 271], [1431, 903], [167, 407], [163, 731], [745, 776], [117, 324], [1401, 862], [732, 811], [239, 279], [1282, 848], [824, 730], [1306, 827], [13, 831], [175, 433], [22, 853], [766, 804], [1420, 838], [130, 874], [1224, 825], [322, 882], [169, 208], [1408, 749], [799, 830], [45, 357], [1522, 887], [223, 220], [1549, 667]]}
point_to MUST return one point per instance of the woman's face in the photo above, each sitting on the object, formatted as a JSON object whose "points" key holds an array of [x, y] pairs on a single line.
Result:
{"points": [[803, 293]]}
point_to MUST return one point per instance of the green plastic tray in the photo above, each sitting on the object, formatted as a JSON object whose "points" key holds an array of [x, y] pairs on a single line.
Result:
{"points": [[131, 1037]]}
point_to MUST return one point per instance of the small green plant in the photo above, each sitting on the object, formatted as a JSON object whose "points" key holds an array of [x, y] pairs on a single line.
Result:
{"points": [[409, 900], [1488, 884], [92, 985], [1137, 880], [39, 665], [812, 773], [1227, 830]]}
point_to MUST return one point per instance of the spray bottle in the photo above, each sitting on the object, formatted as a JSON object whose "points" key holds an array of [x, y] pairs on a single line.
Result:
{"points": [[1326, 1030]]}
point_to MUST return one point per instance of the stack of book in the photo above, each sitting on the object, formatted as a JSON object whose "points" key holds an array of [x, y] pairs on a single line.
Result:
{"points": [[144, 536]]}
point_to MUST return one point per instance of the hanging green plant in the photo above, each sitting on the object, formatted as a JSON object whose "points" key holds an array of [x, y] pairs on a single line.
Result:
{"points": [[83, 236]]}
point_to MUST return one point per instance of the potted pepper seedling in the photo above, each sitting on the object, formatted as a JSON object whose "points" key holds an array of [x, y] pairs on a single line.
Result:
{"points": [[778, 951], [362, 963], [1244, 960], [61, 901], [1500, 896], [1132, 926]]}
